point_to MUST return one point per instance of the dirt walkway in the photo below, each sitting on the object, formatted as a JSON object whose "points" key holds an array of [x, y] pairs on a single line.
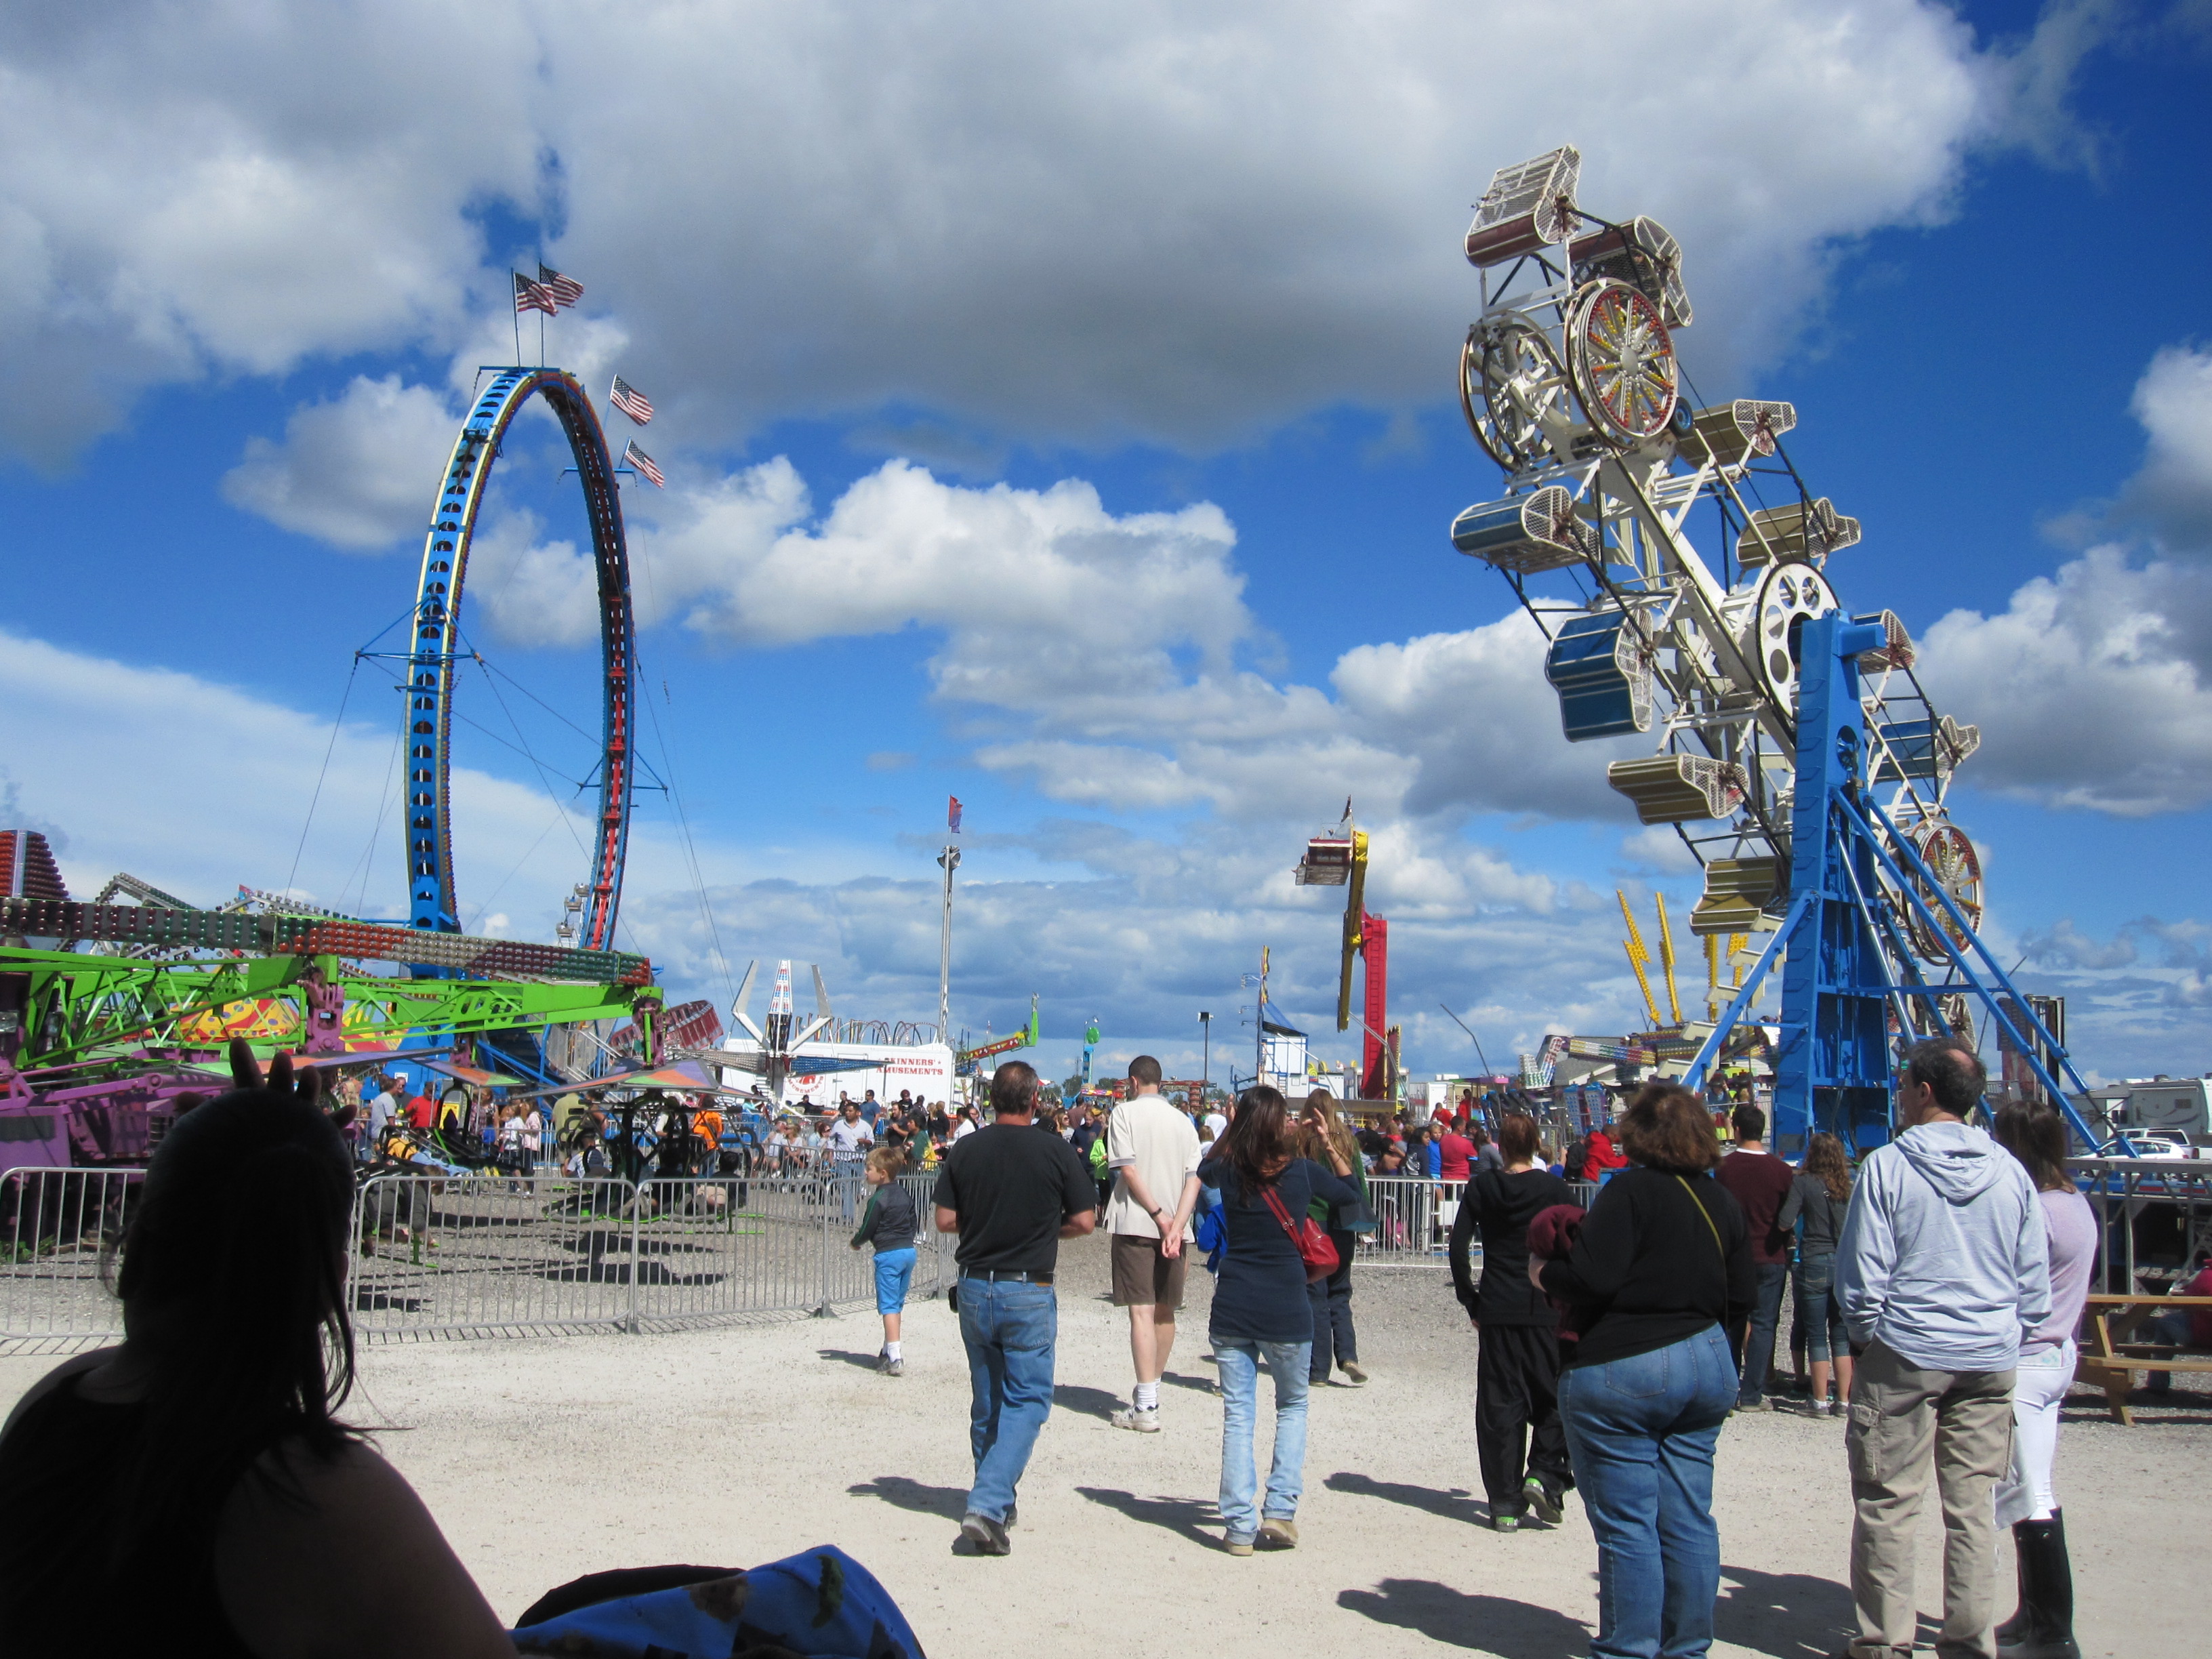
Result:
{"points": [[546, 1459]]}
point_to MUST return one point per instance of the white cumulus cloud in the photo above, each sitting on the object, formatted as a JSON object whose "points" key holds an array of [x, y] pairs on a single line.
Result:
{"points": [[358, 471]]}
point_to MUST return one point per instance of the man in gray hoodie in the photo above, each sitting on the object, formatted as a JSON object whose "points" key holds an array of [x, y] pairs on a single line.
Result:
{"points": [[1943, 1267]]}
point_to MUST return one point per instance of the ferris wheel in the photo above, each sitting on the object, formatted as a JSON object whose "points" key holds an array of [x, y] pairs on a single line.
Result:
{"points": [[1670, 551]]}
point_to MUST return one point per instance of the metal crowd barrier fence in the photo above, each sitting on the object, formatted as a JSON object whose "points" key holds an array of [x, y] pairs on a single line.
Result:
{"points": [[56, 1227], [487, 1254], [1413, 1221]]}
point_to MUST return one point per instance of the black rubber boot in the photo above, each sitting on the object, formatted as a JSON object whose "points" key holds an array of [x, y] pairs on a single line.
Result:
{"points": [[2047, 1593], [2017, 1626]]}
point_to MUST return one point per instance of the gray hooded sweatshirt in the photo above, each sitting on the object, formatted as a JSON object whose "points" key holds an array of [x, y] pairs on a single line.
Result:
{"points": [[1943, 1258]]}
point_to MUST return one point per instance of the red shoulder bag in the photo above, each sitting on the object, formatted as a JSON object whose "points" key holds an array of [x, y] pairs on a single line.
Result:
{"points": [[1312, 1243]]}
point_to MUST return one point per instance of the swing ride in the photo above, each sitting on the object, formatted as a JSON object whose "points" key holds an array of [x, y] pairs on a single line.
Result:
{"points": [[1793, 748]]}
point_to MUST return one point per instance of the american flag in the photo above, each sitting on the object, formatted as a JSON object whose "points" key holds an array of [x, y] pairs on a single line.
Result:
{"points": [[565, 290], [632, 402], [533, 296], [643, 462], [952, 815]]}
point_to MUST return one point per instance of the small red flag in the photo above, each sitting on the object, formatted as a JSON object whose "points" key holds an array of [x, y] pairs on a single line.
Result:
{"points": [[952, 815], [565, 290], [643, 462], [533, 296]]}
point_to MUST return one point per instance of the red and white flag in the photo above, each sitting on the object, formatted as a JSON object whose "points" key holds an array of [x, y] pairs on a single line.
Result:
{"points": [[533, 296], [565, 290], [643, 462], [952, 815], [632, 402]]}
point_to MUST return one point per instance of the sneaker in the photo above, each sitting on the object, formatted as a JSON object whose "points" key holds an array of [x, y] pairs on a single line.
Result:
{"points": [[1543, 1503], [988, 1536], [1353, 1375], [1013, 1518], [1278, 1534], [1144, 1421], [893, 1368], [1500, 1521], [1762, 1404], [1236, 1546]]}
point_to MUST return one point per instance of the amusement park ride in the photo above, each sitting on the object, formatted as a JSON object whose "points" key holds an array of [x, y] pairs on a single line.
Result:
{"points": [[1794, 750], [1337, 858], [108, 1011]]}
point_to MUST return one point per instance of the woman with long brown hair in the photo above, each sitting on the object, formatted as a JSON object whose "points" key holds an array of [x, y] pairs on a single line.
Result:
{"points": [[1261, 1306], [1818, 1197], [1664, 1262], [1326, 1138]]}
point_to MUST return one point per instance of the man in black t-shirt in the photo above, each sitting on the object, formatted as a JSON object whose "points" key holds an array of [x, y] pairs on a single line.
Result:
{"points": [[1012, 1195]]}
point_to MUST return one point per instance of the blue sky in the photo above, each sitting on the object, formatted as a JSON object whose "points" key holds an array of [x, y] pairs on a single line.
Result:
{"points": [[1058, 411]]}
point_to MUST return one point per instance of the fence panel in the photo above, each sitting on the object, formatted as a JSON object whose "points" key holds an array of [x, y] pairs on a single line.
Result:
{"points": [[718, 1247], [1413, 1221], [437, 1254], [54, 1226]]}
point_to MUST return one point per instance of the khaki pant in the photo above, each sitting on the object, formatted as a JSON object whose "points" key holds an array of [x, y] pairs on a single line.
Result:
{"points": [[1903, 1420]]}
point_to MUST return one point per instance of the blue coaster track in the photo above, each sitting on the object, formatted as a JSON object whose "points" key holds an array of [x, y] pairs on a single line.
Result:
{"points": [[436, 649]]}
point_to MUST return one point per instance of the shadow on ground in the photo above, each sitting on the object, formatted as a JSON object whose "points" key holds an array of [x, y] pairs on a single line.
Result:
{"points": [[866, 1362], [1481, 1624], [1089, 1402], [946, 1502], [1787, 1615], [1454, 1504], [1188, 1517]]}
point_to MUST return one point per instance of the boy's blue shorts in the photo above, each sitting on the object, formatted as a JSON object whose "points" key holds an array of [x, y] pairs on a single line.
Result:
{"points": [[894, 1272]]}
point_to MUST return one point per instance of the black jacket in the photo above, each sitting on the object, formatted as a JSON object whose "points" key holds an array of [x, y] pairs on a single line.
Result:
{"points": [[1502, 1205], [1652, 1268]]}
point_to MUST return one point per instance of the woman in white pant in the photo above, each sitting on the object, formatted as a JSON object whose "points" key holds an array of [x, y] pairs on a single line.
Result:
{"points": [[2044, 1626]]}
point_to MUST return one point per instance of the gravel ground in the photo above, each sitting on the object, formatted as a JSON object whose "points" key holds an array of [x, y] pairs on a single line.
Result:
{"points": [[545, 1459]]}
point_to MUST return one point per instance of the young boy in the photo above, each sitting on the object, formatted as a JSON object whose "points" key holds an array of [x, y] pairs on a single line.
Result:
{"points": [[888, 1224]]}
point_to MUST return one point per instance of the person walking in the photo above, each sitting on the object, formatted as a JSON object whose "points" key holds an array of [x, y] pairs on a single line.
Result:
{"points": [[1335, 1342], [1818, 1197], [1261, 1307], [887, 1224], [1942, 1270], [849, 1137], [1518, 1437], [2043, 1627], [1664, 1262], [1152, 1151], [1011, 1194], [1759, 1181]]}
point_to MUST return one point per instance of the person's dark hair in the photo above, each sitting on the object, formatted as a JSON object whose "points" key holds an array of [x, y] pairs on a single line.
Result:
{"points": [[1826, 1159], [1014, 1089], [1667, 1127], [1952, 1070], [1517, 1140], [1749, 1122], [1258, 1143], [233, 1281], [1477, 1133], [2036, 1135], [1145, 1070]]}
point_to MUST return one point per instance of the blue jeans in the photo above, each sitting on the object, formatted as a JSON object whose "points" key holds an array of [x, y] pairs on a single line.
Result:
{"points": [[1009, 1329], [1819, 1310], [1640, 1433], [1239, 1365], [1758, 1354]]}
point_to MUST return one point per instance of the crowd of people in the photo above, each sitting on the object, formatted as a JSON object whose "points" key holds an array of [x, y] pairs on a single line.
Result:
{"points": [[179, 1492]]}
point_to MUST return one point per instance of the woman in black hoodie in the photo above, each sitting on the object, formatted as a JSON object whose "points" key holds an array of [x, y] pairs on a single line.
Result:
{"points": [[1516, 1368]]}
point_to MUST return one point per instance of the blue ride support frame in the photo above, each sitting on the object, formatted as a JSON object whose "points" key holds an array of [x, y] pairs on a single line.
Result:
{"points": [[1834, 1069]]}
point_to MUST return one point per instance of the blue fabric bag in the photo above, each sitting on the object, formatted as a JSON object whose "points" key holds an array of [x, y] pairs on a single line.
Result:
{"points": [[821, 1604]]}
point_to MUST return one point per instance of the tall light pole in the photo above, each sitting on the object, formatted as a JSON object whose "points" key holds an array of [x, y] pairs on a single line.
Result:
{"points": [[1206, 1050], [950, 859]]}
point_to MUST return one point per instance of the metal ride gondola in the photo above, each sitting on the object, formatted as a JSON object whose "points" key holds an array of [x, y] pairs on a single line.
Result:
{"points": [[1796, 751]]}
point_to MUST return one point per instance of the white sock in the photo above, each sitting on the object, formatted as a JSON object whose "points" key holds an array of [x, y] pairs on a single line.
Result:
{"points": [[1148, 1396], [890, 1351]]}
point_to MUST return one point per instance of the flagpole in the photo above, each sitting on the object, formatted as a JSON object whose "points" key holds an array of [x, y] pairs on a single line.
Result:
{"points": [[518, 325], [949, 858]]}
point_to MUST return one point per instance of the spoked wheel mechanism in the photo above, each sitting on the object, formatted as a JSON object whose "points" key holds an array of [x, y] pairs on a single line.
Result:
{"points": [[1622, 360], [1957, 868], [1510, 381]]}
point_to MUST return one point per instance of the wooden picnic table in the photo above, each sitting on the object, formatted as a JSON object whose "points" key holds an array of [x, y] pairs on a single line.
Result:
{"points": [[2108, 1360]]}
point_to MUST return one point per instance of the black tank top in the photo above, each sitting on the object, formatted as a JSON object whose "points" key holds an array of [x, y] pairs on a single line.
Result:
{"points": [[57, 1598]]}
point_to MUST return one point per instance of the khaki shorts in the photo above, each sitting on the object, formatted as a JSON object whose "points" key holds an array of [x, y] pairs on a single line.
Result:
{"points": [[1143, 1278]]}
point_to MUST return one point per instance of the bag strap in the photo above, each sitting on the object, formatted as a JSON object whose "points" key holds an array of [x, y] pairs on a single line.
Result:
{"points": [[1705, 1216], [1273, 1201]]}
